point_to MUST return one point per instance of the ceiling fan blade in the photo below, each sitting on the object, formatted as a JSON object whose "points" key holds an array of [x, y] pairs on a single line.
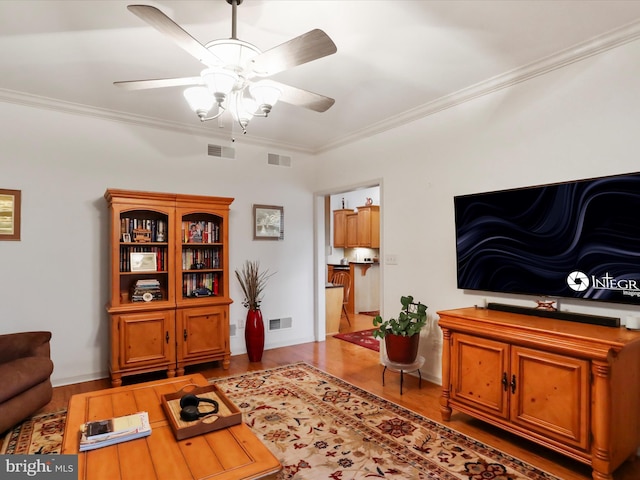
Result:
{"points": [[297, 51], [158, 83], [168, 27], [302, 98]]}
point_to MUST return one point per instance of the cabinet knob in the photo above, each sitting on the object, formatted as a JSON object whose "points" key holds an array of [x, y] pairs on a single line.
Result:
{"points": [[513, 384], [505, 381], [185, 334], [167, 337]]}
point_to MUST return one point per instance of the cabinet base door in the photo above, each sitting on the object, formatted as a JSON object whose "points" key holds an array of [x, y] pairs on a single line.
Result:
{"points": [[552, 395], [142, 342], [478, 366], [203, 334]]}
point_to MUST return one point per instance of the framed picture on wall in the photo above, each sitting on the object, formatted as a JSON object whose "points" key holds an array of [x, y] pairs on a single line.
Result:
{"points": [[10, 214], [268, 222]]}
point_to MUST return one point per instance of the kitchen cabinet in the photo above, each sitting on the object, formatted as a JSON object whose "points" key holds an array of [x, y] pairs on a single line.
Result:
{"points": [[340, 227], [568, 386], [366, 285], [368, 228], [352, 230], [361, 228]]}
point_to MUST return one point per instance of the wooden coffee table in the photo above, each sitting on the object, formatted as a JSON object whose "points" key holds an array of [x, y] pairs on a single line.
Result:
{"points": [[232, 453]]}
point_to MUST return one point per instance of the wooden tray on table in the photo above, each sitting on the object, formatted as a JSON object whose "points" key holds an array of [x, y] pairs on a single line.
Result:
{"points": [[228, 413]]}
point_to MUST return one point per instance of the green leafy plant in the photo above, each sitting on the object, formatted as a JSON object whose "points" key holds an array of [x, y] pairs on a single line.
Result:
{"points": [[253, 282], [410, 321]]}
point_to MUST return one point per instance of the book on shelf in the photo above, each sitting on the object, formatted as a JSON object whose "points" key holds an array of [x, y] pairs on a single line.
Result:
{"points": [[148, 283], [102, 433]]}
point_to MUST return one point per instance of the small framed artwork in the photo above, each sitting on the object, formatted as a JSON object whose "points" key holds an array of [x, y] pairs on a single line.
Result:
{"points": [[126, 237], [268, 222], [143, 262], [9, 214]]}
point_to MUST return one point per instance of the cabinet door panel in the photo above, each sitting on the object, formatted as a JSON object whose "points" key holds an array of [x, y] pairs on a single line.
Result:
{"points": [[477, 369], [202, 332], [146, 339], [340, 228], [551, 395], [364, 228], [352, 230]]}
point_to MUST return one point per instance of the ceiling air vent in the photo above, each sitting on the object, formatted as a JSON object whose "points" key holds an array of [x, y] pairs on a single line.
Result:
{"points": [[275, 159], [220, 151]]}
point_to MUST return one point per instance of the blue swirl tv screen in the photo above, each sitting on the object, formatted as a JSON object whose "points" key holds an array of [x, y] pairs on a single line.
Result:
{"points": [[577, 239]]}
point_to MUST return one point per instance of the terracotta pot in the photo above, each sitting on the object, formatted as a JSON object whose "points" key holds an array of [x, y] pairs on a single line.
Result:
{"points": [[254, 335], [402, 349]]}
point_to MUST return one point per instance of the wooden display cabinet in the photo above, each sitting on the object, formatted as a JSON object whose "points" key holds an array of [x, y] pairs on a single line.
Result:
{"points": [[169, 298], [569, 386]]}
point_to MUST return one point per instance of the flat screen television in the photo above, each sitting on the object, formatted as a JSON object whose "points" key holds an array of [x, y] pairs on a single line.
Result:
{"points": [[578, 239]]}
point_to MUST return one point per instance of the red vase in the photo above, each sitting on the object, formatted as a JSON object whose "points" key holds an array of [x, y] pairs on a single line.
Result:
{"points": [[254, 335]]}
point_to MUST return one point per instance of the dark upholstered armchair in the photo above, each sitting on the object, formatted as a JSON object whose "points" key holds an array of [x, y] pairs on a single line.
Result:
{"points": [[25, 376]]}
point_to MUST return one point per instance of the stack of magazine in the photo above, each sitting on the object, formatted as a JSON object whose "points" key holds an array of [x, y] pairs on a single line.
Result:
{"points": [[102, 433]]}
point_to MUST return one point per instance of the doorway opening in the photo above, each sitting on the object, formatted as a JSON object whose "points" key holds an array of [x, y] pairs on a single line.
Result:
{"points": [[361, 260]]}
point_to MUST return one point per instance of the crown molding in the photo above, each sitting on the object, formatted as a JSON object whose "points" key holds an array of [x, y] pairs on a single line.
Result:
{"points": [[595, 46], [581, 51], [201, 129]]}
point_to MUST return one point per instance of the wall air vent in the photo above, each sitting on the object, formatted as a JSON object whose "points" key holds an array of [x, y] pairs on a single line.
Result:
{"points": [[275, 159], [280, 323], [220, 151], [232, 330]]}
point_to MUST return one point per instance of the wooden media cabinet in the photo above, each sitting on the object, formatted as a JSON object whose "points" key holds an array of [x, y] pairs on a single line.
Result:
{"points": [[572, 387]]}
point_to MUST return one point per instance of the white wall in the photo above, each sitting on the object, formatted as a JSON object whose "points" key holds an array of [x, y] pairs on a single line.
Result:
{"points": [[56, 277], [577, 122]]}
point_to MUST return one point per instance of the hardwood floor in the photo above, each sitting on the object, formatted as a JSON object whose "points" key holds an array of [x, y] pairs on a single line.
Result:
{"points": [[361, 367]]}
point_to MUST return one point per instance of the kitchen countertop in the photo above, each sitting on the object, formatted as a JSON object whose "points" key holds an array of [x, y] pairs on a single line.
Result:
{"points": [[355, 263]]}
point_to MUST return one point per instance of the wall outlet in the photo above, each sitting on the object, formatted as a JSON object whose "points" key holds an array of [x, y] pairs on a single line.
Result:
{"points": [[391, 259], [242, 322]]}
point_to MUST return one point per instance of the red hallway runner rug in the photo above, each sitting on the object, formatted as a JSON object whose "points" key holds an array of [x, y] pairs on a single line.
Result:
{"points": [[364, 338]]}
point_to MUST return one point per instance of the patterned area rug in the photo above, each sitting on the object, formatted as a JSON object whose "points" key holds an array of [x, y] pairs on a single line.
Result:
{"points": [[41, 434], [362, 338], [322, 427], [319, 426]]}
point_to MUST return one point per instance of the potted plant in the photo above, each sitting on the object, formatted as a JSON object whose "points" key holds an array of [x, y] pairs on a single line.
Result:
{"points": [[402, 335], [253, 283]]}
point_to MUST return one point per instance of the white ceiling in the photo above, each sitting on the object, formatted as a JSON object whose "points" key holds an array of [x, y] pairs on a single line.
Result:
{"points": [[396, 60]]}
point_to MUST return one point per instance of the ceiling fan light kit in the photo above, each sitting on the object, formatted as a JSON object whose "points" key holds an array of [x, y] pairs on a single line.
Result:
{"points": [[233, 80]]}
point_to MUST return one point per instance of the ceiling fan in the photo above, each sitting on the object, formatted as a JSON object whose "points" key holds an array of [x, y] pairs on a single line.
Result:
{"points": [[236, 75]]}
